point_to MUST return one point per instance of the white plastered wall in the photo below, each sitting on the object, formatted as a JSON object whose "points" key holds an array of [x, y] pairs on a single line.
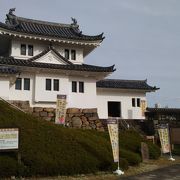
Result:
{"points": [[41, 95], [125, 97], [86, 99], [38, 47], [46, 98], [22, 95], [4, 88]]}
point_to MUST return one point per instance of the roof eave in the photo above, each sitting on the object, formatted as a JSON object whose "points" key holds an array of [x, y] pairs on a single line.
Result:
{"points": [[5, 31]]}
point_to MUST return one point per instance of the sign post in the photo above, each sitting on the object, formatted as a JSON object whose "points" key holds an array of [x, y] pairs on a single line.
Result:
{"points": [[60, 109], [164, 137], [113, 128]]}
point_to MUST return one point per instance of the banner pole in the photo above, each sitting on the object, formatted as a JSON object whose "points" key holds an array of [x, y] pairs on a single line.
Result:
{"points": [[118, 171], [170, 151], [118, 142]]}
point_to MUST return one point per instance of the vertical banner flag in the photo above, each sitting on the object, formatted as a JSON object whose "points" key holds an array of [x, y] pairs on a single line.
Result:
{"points": [[164, 138], [143, 107], [60, 109], [114, 137]]}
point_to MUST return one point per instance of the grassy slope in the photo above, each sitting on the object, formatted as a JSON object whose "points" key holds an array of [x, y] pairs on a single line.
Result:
{"points": [[46, 147], [49, 149]]}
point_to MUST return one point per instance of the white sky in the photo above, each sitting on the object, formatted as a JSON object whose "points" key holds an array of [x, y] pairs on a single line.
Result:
{"points": [[142, 37]]}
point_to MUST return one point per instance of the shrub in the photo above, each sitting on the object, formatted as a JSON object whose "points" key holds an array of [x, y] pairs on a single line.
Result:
{"points": [[176, 150], [154, 150], [130, 140], [8, 166], [131, 157]]}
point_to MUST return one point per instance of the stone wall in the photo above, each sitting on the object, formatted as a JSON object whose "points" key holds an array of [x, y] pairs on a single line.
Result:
{"points": [[83, 118], [75, 117]]}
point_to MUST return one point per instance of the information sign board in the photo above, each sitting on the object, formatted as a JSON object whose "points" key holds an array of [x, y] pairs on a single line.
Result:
{"points": [[9, 139]]}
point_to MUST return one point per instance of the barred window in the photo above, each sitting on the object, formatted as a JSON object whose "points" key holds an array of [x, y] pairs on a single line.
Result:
{"points": [[26, 84], [23, 49]]}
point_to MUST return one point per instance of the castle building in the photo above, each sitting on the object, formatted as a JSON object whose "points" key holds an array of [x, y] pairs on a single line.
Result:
{"points": [[40, 60]]}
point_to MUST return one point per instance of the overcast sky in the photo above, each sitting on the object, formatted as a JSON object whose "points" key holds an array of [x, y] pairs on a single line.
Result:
{"points": [[142, 37]]}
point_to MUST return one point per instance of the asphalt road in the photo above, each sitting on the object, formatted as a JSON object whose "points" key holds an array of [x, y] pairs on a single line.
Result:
{"points": [[167, 173]]}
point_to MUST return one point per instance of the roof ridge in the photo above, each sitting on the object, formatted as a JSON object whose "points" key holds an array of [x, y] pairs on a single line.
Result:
{"points": [[44, 22], [124, 80]]}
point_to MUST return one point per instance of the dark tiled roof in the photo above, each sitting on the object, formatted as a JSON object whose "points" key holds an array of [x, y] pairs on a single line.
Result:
{"points": [[50, 48], [10, 61], [8, 70], [125, 84], [43, 28], [164, 110]]}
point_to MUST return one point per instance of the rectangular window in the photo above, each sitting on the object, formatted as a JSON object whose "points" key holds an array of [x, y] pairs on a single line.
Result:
{"points": [[30, 50], [74, 86], [48, 84], [56, 84], [73, 55], [18, 85], [133, 102], [81, 87], [67, 53], [138, 102], [23, 49], [26, 84]]}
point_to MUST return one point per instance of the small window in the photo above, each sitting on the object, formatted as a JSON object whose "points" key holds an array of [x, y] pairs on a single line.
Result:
{"points": [[73, 55], [133, 102], [74, 86], [48, 84], [30, 50], [138, 102], [56, 84], [26, 84], [81, 87], [23, 49], [18, 85], [67, 53]]}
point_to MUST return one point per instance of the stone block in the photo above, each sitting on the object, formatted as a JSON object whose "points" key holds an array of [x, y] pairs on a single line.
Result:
{"points": [[50, 114], [76, 122], [100, 129], [47, 118], [83, 118], [97, 121], [30, 110], [36, 114], [78, 114], [93, 126], [92, 118], [91, 110], [99, 124], [69, 115], [37, 109], [43, 114], [73, 110], [68, 119], [49, 110], [86, 127]]}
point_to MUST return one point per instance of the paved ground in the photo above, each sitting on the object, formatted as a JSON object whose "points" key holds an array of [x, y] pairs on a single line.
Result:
{"points": [[167, 173]]}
